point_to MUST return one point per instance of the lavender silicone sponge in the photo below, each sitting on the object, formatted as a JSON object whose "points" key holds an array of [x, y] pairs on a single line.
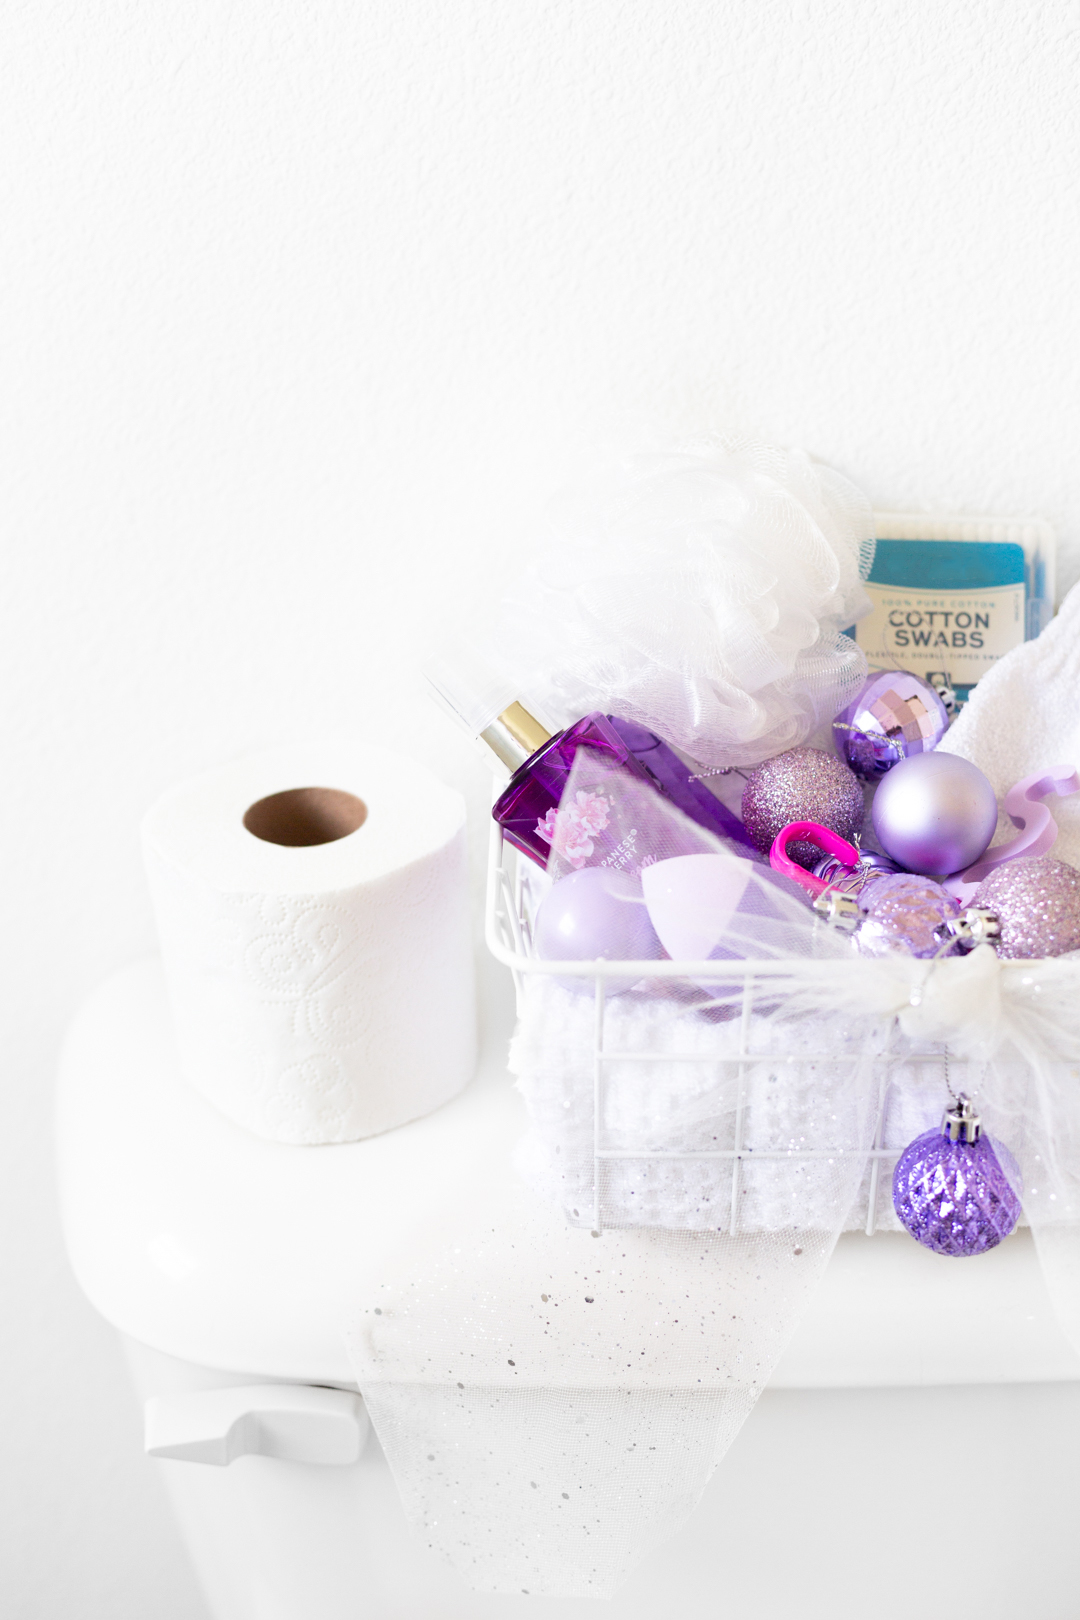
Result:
{"points": [[953, 1197]]}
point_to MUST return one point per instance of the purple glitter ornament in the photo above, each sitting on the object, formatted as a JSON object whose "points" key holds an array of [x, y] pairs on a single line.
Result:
{"points": [[895, 716], [904, 914], [595, 914], [949, 1189], [934, 813], [805, 784], [1037, 905]]}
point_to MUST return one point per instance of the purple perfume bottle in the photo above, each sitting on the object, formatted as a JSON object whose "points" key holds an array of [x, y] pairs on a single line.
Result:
{"points": [[684, 789], [478, 695], [539, 778]]}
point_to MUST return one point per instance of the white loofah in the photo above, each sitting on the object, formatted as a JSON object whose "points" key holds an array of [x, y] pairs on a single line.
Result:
{"points": [[702, 592]]}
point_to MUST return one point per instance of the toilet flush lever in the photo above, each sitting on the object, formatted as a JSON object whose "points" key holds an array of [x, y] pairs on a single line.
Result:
{"points": [[293, 1422]]}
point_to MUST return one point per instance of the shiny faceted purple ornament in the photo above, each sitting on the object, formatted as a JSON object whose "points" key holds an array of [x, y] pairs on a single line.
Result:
{"points": [[905, 915], [896, 715], [949, 1190]]}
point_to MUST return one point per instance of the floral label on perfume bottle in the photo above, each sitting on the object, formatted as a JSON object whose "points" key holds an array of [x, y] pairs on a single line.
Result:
{"points": [[609, 816], [588, 830], [939, 605], [574, 829]]}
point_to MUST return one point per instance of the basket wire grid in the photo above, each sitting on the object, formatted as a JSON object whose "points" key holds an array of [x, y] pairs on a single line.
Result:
{"points": [[509, 938]]}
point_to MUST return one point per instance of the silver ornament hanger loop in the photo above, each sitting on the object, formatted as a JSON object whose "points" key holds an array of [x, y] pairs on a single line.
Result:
{"points": [[975, 926], [960, 1122], [837, 902], [948, 1082], [839, 910], [941, 681]]}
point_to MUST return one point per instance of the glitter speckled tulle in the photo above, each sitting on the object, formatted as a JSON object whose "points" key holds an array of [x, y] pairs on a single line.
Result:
{"points": [[552, 1403]]}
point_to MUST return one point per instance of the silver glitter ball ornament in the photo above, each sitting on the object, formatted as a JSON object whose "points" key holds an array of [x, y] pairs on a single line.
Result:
{"points": [[903, 916], [1037, 905], [805, 784]]}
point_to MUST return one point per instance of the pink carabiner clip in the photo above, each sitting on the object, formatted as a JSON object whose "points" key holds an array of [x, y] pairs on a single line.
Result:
{"points": [[1038, 829], [823, 838]]}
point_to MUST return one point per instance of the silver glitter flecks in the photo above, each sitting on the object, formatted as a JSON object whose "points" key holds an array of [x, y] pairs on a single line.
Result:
{"points": [[805, 784], [1037, 904]]}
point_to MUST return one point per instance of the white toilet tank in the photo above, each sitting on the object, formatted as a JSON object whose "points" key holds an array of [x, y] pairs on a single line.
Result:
{"points": [[920, 1397]]}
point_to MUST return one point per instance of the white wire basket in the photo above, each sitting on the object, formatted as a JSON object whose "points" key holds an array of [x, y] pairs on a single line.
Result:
{"points": [[515, 886]]}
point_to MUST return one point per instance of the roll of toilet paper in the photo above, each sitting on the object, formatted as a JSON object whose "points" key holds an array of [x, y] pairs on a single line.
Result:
{"points": [[312, 906]]}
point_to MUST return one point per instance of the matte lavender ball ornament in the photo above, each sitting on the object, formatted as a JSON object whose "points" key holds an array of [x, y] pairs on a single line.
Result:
{"points": [[894, 717], [934, 813], [1037, 906], [949, 1190], [595, 914], [805, 784]]}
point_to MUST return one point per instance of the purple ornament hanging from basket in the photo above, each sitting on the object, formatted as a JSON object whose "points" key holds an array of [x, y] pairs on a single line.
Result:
{"points": [[949, 1189]]}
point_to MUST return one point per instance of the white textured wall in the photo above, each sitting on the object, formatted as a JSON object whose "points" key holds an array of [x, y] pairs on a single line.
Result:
{"points": [[305, 305]]}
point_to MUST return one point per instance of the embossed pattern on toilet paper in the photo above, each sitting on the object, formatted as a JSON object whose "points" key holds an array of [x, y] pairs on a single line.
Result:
{"points": [[317, 1017]]}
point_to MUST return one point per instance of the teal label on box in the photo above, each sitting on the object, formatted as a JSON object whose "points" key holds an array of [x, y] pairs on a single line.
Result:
{"points": [[953, 606]]}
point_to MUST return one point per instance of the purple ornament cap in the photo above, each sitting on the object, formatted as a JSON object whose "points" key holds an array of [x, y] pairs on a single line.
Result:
{"points": [[954, 1197], [895, 716]]}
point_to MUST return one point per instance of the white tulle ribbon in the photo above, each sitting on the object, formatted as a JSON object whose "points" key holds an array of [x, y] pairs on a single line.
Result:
{"points": [[958, 1001], [978, 1005], [551, 1401]]}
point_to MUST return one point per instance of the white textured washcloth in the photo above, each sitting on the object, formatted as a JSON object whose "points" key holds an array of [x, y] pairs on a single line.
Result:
{"points": [[1024, 716], [803, 1091]]}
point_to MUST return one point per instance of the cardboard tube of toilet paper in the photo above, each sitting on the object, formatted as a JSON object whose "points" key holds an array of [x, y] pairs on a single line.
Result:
{"points": [[312, 907]]}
